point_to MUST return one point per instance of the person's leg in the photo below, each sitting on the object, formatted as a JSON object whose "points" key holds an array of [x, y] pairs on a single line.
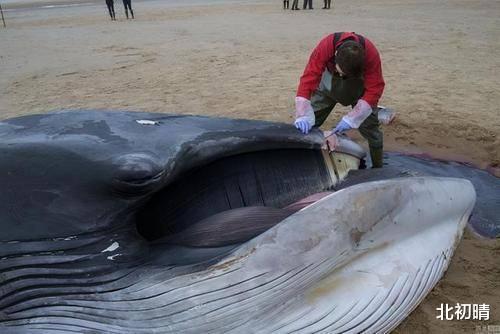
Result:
{"points": [[126, 9], [108, 4], [322, 101], [322, 105], [310, 4], [370, 130], [304, 4], [324, 4], [130, 8], [329, 3]]}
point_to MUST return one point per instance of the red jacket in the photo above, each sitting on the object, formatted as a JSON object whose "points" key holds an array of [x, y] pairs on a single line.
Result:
{"points": [[321, 58]]}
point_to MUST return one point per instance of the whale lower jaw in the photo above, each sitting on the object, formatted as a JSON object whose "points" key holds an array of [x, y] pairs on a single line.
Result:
{"points": [[358, 260]]}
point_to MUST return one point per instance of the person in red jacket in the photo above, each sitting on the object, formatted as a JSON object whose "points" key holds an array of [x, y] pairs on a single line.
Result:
{"points": [[343, 68]]}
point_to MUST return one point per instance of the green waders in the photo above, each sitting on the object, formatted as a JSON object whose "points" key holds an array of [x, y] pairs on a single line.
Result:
{"points": [[334, 89]]}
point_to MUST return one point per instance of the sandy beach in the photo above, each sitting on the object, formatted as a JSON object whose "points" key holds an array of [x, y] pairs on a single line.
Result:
{"points": [[243, 59]]}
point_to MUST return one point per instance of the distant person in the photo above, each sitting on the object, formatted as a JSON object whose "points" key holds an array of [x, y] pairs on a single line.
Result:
{"points": [[295, 5], [343, 68], [285, 4], [306, 2], [128, 5], [111, 9], [327, 4]]}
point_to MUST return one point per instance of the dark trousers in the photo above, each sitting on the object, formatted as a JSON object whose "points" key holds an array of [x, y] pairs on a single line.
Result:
{"points": [[285, 4], [310, 2], [128, 5], [111, 8], [327, 4], [295, 4]]}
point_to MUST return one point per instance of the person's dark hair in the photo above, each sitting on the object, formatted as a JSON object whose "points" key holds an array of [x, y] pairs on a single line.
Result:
{"points": [[351, 58]]}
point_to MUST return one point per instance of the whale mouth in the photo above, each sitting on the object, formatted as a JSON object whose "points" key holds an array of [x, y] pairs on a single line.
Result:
{"points": [[233, 198]]}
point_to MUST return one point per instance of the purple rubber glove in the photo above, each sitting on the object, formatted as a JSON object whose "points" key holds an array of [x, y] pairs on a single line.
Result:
{"points": [[342, 126], [304, 115], [303, 125]]}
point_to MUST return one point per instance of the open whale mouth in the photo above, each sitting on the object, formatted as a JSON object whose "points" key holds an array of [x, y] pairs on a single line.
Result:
{"points": [[233, 198]]}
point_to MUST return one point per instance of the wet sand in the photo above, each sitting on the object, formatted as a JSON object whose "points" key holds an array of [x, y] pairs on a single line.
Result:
{"points": [[243, 59]]}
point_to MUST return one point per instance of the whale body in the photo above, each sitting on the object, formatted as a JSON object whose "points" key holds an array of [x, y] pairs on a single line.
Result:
{"points": [[123, 222]]}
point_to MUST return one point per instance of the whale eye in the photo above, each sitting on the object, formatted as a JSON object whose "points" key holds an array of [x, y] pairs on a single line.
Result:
{"points": [[137, 173]]}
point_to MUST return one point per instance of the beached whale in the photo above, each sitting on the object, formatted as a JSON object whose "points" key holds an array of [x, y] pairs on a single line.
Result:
{"points": [[122, 222]]}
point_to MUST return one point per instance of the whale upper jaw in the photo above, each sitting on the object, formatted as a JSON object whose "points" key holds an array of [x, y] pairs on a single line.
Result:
{"points": [[100, 164]]}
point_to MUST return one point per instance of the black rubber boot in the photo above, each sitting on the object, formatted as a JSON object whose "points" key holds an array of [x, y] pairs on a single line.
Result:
{"points": [[377, 155]]}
